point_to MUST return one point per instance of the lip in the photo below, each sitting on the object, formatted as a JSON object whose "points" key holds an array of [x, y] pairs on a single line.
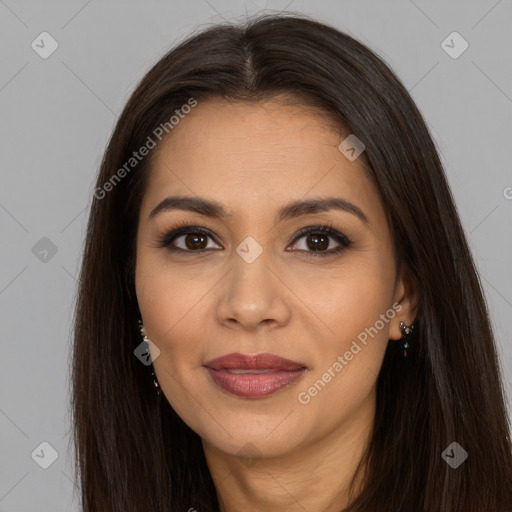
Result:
{"points": [[264, 361], [254, 376]]}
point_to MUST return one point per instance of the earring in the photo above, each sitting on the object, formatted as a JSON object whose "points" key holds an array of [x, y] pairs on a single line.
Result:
{"points": [[153, 375], [406, 336]]}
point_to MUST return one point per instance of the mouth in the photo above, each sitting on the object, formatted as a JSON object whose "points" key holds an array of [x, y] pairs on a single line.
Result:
{"points": [[254, 376]]}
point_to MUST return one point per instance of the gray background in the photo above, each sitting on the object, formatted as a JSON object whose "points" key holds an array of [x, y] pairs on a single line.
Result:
{"points": [[57, 114]]}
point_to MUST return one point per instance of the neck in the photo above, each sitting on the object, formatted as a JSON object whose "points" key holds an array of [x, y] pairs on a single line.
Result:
{"points": [[313, 477]]}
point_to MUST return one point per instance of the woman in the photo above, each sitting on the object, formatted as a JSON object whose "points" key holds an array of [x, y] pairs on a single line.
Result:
{"points": [[272, 214]]}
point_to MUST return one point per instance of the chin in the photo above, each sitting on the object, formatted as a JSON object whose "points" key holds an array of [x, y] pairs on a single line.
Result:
{"points": [[247, 439]]}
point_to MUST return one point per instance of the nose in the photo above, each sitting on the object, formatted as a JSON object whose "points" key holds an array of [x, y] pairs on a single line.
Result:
{"points": [[253, 296]]}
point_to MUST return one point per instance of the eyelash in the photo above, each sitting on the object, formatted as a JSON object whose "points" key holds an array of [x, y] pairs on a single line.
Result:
{"points": [[184, 228]]}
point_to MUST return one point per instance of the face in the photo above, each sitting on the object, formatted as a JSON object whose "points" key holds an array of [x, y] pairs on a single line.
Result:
{"points": [[255, 281]]}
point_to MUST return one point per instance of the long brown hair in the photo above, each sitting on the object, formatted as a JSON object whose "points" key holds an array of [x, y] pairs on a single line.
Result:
{"points": [[134, 453]]}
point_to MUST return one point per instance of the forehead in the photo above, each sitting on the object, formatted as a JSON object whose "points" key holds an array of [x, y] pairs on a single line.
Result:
{"points": [[248, 154]]}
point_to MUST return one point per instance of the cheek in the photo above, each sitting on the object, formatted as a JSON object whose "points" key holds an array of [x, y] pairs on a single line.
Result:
{"points": [[162, 293], [354, 316], [348, 300], [170, 307]]}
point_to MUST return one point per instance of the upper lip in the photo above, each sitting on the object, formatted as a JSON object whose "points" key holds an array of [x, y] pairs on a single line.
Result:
{"points": [[262, 361]]}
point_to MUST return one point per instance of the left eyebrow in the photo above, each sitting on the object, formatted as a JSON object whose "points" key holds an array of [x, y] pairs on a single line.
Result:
{"points": [[291, 210], [320, 204]]}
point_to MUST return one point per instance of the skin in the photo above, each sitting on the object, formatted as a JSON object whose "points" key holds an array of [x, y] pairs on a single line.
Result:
{"points": [[271, 453]]}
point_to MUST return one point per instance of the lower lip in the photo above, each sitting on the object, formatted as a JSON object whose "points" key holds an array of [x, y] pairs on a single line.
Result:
{"points": [[252, 385]]}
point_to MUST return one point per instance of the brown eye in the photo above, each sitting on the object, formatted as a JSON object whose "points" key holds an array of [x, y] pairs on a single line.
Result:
{"points": [[317, 240], [195, 241], [187, 239]]}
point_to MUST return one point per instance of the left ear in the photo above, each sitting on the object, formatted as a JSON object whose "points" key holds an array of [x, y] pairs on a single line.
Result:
{"points": [[407, 296]]}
